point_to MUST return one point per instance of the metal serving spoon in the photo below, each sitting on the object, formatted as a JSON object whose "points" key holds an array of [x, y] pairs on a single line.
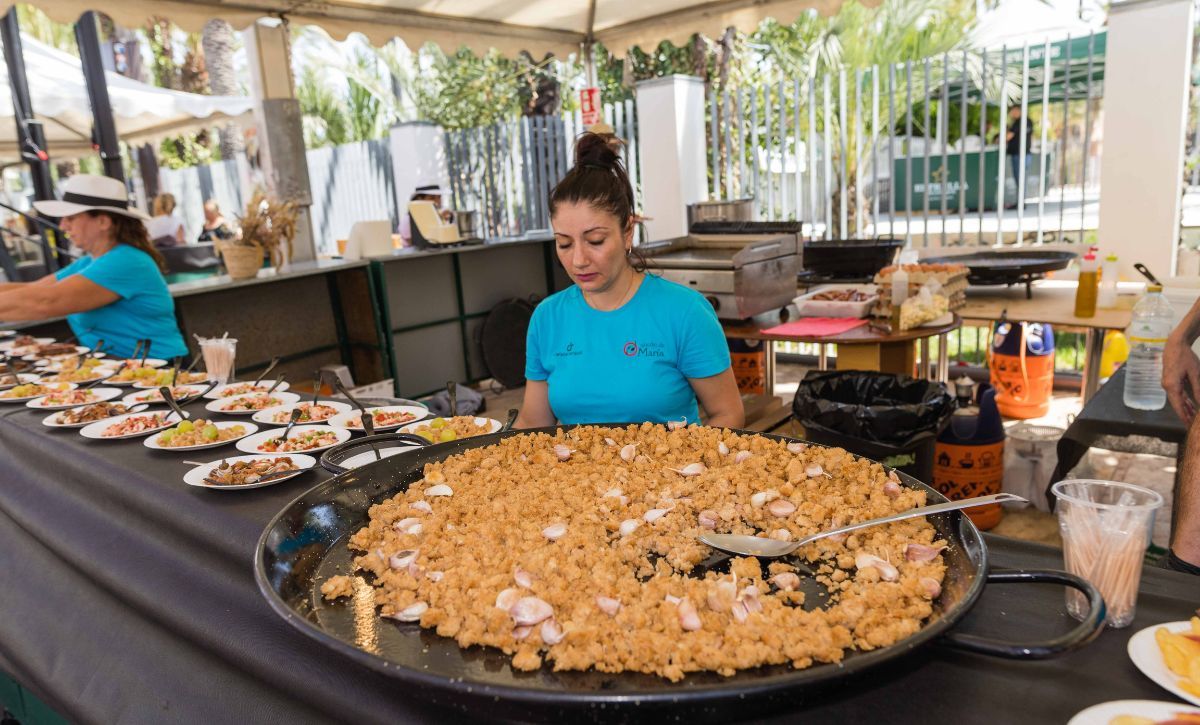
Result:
{"points": [[769, 548], [295, 416]]}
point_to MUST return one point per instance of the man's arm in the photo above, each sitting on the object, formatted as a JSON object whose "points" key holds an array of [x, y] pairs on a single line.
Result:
{"points": [[1181, 368]]}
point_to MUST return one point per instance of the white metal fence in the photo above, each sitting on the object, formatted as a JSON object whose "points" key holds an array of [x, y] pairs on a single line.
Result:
{"points": [[917, 150], [508, 169]]}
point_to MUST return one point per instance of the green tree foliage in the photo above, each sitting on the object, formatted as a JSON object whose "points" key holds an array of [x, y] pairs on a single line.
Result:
{"points": [[462, 90]]}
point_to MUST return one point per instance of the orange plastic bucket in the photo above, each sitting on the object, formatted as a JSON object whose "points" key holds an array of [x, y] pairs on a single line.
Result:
{"points": [[965, 471], [749, 361], [1023, 378]]}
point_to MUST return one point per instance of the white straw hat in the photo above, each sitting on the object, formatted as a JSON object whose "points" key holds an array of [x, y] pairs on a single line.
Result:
{"points": [[89, 192]]}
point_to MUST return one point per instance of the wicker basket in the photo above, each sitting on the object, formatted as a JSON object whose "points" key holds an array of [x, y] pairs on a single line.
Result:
{"points": [[243, 262]]}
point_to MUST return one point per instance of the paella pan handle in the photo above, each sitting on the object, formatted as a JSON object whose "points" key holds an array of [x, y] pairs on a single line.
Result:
{"points": [[1088, 630]]}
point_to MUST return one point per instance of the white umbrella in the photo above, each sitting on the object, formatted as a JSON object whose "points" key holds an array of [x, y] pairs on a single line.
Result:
{"points": [[142, 112]]}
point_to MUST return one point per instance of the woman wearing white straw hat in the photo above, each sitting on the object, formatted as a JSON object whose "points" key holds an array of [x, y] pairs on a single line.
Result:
{"points": [[115, 292]]}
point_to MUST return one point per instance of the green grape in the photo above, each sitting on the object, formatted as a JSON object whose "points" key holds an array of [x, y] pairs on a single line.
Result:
{"points": [[210, 432], [448, 435], [437, 423], [186, 426]]}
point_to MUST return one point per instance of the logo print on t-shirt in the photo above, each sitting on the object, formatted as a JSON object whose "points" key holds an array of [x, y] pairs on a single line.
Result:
{"points": [[631, 349]]}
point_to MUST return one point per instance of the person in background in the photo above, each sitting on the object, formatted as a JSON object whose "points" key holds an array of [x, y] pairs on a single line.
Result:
{"points": [[216, 229], [428, 192], [1181, 380], [115, 292], [166, 227], [1012, 145]]}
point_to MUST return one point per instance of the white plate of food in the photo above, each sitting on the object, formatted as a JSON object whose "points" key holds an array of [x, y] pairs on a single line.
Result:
{"points": [[237, 473], [435, 430], [231, 389], [1137, 712], [132, 374], [137, 362], [181, 393], [164, 377], [29, 391], [1149, 650], [74, 362], [9, 380], [251, 403], [82, 376], [24, 344], [130, 425], [7, 333], [302, 439], [385, 417], [280, 415], [73, 398], [49, 354], [86, 415], [194, 435]]}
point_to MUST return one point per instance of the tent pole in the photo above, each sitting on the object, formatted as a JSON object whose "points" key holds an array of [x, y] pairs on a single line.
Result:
{"points": [[87, 36], [30, 136], [589, 46]]}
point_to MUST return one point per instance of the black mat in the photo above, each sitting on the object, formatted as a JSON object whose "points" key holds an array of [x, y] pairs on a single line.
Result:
{"points": [[129, 596]]}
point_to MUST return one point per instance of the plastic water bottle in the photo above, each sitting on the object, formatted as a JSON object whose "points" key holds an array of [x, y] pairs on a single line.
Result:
{"points": [[1153, 319]]}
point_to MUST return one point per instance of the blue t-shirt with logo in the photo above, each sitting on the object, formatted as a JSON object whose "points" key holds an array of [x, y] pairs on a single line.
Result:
{"points": [[629, 365], [144, 308]]}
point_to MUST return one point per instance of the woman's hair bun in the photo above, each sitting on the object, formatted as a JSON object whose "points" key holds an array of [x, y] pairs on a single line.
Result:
{"points": [[598, 149]]}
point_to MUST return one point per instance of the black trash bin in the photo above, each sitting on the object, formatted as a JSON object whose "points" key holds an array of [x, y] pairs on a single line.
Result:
{"points": [[892, 419]]}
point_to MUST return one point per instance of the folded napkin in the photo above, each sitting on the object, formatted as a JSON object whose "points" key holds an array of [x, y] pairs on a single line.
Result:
{"points": [[816, 327]]}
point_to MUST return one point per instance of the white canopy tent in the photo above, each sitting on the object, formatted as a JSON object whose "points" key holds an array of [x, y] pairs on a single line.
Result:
{"points": [[510, 26], [143, 112]]}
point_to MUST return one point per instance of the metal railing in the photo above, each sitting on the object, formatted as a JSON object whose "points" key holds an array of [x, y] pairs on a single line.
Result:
{"points": [[917, 150], [508, 169]]}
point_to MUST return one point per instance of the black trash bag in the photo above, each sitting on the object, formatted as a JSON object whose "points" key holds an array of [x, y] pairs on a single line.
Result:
{"points": [[879, 407]]}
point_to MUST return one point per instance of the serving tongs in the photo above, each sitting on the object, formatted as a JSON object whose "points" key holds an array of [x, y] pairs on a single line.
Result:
{"points": [[165, 392], [512, 418], [765, 548], [278, 381], [452, 391], [265, 373], [337, 383], [368, 424]]}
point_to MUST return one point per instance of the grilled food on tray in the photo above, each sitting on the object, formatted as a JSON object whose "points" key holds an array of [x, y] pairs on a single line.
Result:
{"points": [[841, 295], [580, 549]]}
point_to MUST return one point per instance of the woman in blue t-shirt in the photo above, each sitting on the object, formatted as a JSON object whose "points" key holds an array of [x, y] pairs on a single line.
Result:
{"points": [[115, 292], [620, 345]]}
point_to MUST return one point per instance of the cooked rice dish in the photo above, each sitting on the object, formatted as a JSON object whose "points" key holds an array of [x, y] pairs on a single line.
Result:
{"points": [[578, 550]]}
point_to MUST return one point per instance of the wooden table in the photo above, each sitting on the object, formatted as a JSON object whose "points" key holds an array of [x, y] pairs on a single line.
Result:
{"points": [[863, 348], [1054, 303]]}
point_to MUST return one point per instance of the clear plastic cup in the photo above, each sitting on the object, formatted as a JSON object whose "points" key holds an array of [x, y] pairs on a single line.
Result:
{"points": [[220, 355], [1106, 528]]}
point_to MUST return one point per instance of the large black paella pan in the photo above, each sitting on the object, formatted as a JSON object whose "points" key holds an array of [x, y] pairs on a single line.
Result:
{"points": [[306, 543]]}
